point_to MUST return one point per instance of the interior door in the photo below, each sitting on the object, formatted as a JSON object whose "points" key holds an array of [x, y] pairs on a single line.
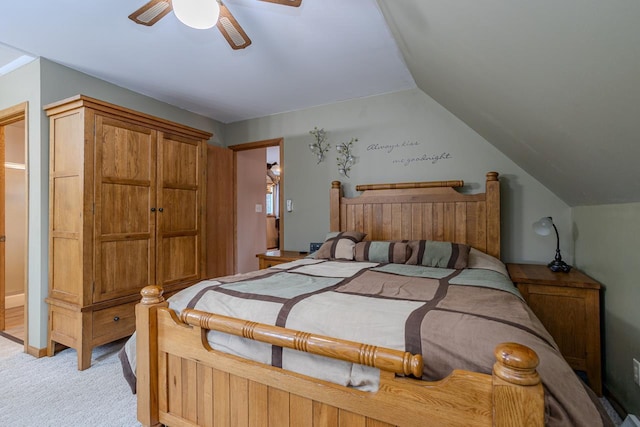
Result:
{"points": [[125, 192], [180, 176], [220, 212]]}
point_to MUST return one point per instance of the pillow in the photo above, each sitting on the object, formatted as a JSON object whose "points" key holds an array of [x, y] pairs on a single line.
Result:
{"points": [[438, 254], [394, 252], [339, 245]]}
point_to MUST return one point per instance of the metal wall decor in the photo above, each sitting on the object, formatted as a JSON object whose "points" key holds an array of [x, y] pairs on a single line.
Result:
{"points": [[320, 147], [345, 157]]}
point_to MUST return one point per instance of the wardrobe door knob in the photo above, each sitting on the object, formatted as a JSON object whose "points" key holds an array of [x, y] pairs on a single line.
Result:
{"points": [[153, 209], [160, 210]]}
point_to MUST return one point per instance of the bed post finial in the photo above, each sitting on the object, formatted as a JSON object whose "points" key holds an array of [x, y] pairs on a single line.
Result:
{"points": [[335, 184], [517, 390], [492, 176], [151, 295]]}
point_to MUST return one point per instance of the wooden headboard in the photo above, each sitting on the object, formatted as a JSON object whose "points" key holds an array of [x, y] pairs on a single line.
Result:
{"points": [[422, 210]]}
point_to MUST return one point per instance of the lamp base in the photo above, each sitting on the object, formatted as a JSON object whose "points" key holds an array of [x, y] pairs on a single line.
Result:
{"points": [[559, 266]]}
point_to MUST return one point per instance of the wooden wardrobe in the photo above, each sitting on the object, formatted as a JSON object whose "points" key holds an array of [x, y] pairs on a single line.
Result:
{"points": [[126, 210]]}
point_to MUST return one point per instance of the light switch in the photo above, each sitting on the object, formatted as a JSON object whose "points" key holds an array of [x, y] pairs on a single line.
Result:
{"points": [[289, 205], [258, 208]]}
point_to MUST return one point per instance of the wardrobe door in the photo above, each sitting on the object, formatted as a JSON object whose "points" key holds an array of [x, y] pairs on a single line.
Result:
{"points": [[125, 193], [180, 181]]}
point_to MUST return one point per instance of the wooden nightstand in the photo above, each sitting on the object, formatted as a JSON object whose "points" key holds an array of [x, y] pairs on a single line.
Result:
{"points": [[568, 305], [271, 258]]}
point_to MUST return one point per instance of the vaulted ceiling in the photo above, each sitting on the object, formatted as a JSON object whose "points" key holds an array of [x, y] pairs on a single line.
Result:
{"points": [[554, 85]]}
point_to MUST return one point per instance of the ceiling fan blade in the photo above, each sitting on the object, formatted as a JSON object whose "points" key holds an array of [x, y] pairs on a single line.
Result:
{"points": [[231, 30], [151, 12], [294, 3]]}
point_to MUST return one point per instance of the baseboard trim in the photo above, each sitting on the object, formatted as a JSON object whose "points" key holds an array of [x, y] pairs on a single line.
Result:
{"points": [[12, 301], [36, 352], [615, 403]]}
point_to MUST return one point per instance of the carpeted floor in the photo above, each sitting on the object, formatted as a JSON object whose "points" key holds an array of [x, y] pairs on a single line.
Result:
{"points": [[51, 391]]}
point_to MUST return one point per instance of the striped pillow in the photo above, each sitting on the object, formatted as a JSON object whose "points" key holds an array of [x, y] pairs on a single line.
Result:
{"points": [[439, 254], [394, 252], [339, 245]]}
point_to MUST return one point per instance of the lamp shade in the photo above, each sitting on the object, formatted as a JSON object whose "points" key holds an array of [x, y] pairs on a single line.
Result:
{"points": [[198, 14], [275, 168], [543, 226]]}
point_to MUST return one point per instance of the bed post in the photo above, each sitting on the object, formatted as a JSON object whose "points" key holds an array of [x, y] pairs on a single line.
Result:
{"points": [[147, 354], [493, 214], [518, 397], [334, 205]]}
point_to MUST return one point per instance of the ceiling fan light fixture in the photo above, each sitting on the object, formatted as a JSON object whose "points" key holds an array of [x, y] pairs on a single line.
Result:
{"points": [[198, 14]]}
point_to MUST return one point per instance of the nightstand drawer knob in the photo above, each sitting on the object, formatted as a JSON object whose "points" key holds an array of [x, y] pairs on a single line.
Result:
{"points": [[115, 319]]}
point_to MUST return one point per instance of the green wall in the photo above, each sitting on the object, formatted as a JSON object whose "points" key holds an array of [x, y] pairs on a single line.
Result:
{"points": [[392, 130], [607, 239], [42, 82]]}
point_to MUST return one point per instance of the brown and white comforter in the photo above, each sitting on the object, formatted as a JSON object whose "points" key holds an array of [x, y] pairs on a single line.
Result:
{"points": [[454, 318]]}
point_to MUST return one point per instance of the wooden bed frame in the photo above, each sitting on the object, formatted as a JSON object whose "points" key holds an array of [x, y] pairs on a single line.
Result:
{"points": [[181, 381]]}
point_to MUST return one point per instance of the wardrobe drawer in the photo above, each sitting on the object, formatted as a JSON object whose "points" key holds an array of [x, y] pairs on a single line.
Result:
{"points": [[112, 323]]}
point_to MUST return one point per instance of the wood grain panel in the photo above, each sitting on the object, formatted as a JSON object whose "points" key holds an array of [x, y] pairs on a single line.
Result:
{"points": [[190, 388], [174, 384], [324, 415], [349, 419], [430, 211], [67, 204], [221, 414], [126, 150], [180, 210], [205, 396], [278, 407], [66, 273], [258, 404], [65, 156], [181, 167], [460, 234], [178, 259], [239, 409], [125, 209], [301, 411], [123, 267]]}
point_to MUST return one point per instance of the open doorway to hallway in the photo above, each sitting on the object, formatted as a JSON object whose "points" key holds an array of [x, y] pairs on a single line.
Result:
{"points": [[13, 223], [259, 198]]}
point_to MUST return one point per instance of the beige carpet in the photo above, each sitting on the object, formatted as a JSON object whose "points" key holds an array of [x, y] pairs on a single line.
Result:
{"points": [[50, 391]]}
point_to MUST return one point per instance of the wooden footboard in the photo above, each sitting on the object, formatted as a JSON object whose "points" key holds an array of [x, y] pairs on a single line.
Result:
{"points": [[183, 382]]}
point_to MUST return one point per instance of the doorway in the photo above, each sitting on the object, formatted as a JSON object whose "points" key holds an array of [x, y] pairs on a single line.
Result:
{"points": [[13, 223], [255, 206]]}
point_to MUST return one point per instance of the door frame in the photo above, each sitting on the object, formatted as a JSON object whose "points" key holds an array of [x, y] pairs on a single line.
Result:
{"points": [[8, 116], [275, 142]]}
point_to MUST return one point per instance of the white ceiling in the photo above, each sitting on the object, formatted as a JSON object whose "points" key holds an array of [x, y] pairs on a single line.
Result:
{"points": [[553, 85], [319, 53]]}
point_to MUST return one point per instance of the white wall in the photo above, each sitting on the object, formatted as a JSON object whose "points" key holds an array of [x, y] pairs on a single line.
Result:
{"points": [[426, 129], [607, 241]]}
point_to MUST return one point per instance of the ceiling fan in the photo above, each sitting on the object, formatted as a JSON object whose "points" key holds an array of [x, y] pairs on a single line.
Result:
{"points": [[155, 10]]}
